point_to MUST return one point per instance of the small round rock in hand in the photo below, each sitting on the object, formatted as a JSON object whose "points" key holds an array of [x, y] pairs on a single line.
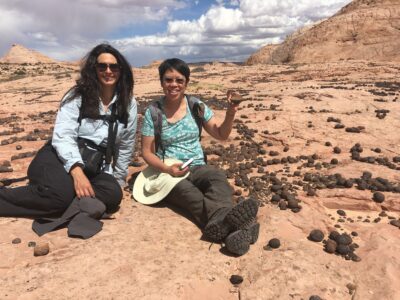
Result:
{"points": [[234, 98]]}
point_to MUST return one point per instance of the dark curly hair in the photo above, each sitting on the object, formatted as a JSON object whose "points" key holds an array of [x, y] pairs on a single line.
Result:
{"points": [[88, 85]]}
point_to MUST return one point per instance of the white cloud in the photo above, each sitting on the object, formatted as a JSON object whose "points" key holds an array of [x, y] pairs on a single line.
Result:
{"points": [[228, 30], [72, 23], [233, 33], [221, 20]]}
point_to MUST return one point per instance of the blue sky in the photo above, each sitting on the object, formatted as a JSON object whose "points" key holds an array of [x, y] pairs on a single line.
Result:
{"points": [[148, 30]]}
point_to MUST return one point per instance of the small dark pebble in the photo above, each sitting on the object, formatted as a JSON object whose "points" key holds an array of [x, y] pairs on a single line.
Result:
{"points": [[355, 257], [337, 150], [316, 235], [341, 212], [296, 209], [282, 205], [16, 241], [378, 197], [275, 198], [311, 192], [343, 249], [236, 279], [274, 243], [333, 235], [315, 297], [344, 239], [330, 246], [352, 287], [395, 223], [293, 203], [41, 249], [31, 244]]}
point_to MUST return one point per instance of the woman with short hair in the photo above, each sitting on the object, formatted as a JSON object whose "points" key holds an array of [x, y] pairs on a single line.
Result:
{"points": [[205, 193]]}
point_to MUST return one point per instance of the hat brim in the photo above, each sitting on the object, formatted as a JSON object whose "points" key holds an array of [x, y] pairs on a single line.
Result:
{"points": [[140, 194]]}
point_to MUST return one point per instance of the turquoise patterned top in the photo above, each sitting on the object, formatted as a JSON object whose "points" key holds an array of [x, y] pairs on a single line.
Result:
{"points": [[180, 139]]}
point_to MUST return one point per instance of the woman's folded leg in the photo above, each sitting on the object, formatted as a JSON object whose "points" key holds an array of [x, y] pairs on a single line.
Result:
{"points": [[108, 191], [49, 192]]}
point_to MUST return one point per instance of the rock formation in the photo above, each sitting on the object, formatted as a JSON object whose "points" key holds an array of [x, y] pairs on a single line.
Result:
{"points": [[18, 54], [362, 30]]}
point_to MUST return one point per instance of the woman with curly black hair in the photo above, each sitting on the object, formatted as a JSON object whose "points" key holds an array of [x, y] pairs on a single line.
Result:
{"points": [[99, 115]]}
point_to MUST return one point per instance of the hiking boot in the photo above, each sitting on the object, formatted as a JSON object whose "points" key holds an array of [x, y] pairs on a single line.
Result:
{"points": [[241, 216], [254, 231], [217, 228], [238, 242]]}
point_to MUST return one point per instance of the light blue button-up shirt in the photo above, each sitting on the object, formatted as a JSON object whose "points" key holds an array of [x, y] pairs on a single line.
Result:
{"points": [[67, 130]]}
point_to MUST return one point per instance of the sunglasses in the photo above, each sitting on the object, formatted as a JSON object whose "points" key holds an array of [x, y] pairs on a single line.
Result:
{"points": [[102, 67], [179, 81]]}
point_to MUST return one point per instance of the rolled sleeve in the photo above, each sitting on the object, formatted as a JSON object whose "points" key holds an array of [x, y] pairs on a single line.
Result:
{"points": [[147, 126], [65, 134], [208, 113], [126, 146]]}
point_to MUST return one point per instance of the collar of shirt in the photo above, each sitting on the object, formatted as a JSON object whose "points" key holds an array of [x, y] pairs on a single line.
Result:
{"points": [[103, 108]]}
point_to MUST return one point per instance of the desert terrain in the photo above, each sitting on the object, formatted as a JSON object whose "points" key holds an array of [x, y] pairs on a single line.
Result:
{"points": [[316, 142], [293, 147]]}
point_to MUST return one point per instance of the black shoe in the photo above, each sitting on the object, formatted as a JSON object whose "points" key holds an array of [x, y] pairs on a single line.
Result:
{"points": [[238, 242], [217, 228], [254, 231], [241, 216]]}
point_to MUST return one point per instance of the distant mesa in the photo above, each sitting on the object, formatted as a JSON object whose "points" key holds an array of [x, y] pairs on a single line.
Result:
{"points": [[362, 30], [18, 54], [153, 64]]}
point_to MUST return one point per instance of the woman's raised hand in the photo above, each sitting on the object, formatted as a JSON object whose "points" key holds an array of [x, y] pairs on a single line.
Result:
{"points": [[234, 100]]}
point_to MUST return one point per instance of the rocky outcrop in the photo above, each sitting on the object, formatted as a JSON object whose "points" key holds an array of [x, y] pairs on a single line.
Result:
{"points": [[362, 30], [18, 54], [263, 56]]}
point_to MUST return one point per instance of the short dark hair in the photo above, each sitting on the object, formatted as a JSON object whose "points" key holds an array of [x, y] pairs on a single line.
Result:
{"points": [[174, 64], [88, 86]]}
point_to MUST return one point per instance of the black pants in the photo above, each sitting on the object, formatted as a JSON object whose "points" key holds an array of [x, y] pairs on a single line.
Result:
{"points": [[51, 189], [202, 193]]}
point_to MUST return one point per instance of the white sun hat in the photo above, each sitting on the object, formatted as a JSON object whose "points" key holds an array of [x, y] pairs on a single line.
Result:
{"points": [[152, 186]]}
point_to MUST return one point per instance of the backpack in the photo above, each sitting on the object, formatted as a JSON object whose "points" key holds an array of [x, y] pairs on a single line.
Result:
{"points": [[196, 109]]}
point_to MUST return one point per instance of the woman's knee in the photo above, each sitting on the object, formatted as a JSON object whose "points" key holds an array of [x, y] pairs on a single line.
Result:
{"points": [[115, 196], [211, 174], [108, 191]]}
